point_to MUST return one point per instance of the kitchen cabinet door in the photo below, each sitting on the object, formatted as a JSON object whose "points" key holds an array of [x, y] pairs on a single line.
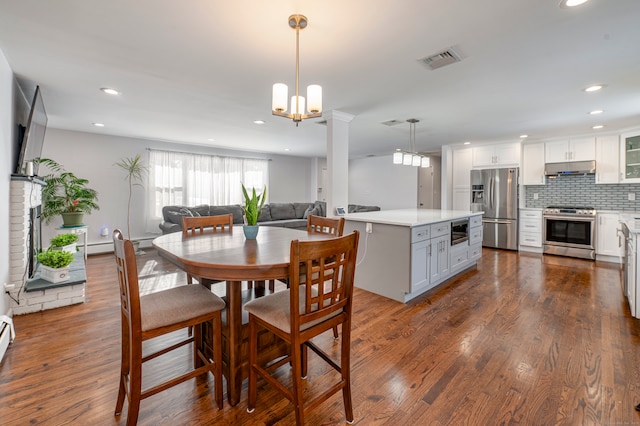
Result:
{"points": [[439, 258], [531, 227], [607, 236], [607, 158], [500, 155], [461, 191], [420, 263], [583, 149], [533, 164], [630, 157]]}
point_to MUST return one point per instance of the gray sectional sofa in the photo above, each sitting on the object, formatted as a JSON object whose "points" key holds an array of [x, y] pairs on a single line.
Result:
{"points": [[288, 215]]}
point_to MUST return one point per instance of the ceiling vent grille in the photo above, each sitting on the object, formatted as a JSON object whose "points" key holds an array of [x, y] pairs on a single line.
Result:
{"points": [[391, 122], [441, 59]]}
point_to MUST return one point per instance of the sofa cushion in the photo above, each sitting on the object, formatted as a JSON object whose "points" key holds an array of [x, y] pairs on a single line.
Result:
{"points": [[300, 208], [323, 207], [265, 214], [359, 208], [175, 216], [235, 209], [201, 210], [311, 211], [280, 211]]}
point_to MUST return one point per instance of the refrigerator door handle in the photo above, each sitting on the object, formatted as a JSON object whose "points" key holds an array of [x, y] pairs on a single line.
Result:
{"points": [[491, 193]]}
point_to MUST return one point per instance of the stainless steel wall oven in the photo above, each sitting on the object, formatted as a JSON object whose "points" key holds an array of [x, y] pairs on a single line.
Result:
{"points": [[570, 231]]}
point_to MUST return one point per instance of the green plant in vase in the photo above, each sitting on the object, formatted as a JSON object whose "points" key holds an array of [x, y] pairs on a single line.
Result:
{"points": [[54, 265], [252, 207], [64, 240], [66, 194]]}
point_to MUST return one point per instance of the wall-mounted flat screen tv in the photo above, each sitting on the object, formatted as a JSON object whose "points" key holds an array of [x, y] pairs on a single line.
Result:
{"points": [[33, 135]]}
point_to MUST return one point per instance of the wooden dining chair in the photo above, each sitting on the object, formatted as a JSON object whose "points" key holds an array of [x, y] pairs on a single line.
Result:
{"points": [[319, 298], [325, 225], [192, 226], [319, 225], [156, 314]]}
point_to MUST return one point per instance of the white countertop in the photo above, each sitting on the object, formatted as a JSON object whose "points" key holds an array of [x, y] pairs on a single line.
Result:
{"points": [[410, 217], [632, 220]]}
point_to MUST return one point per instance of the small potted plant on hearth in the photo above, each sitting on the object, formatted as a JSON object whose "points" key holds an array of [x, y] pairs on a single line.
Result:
{"points": [[65, 242], [66, 194], [54, 265], [251, 209]]}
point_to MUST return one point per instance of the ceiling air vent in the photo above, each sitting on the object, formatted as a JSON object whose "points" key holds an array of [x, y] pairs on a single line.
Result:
{"points": [[392, 122], [441, 59]]}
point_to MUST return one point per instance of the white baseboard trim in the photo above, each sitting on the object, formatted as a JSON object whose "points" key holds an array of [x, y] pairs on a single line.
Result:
{"points": [[107, 246], [7, 334]]}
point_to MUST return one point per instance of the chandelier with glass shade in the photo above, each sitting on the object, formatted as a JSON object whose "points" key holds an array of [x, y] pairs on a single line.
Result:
{"points": [[411, 158], [280, 90]]}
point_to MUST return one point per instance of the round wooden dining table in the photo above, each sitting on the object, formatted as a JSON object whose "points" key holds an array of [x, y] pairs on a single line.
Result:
{"points": [[230, 257]]}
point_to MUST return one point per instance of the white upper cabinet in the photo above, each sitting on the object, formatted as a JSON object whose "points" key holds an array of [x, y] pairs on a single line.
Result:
{"points": [[630, 157], [504, 154], [533, 164], [583, 149], [607, 157]]}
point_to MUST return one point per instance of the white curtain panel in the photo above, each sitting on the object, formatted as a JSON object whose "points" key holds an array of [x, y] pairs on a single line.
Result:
{"points": [[180, 178]]}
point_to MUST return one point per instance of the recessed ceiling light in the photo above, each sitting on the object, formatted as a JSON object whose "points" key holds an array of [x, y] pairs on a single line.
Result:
{"points": [[594, 88], [211, 140], [467, 143], [597, 111], [564, 4], [98, 124], [258, 121], [524, 136], [110, 91], [599, 126], [287, 149]]}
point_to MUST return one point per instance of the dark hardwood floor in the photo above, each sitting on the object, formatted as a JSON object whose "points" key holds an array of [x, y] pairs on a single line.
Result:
{"points": [[523, 339]]}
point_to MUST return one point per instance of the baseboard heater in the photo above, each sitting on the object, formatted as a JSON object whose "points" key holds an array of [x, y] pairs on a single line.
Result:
{"points": [[7, 334]]}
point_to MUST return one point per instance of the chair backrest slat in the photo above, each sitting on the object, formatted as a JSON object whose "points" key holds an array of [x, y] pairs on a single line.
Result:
{"points": [[325, 225], [326, 269], [204, 224], [127, 268]]}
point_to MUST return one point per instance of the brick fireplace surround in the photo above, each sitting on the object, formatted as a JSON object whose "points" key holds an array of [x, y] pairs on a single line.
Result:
{"points": [[26, 193]]}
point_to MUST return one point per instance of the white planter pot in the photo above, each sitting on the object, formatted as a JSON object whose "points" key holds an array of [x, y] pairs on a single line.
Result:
{"points": [[54, 275], [71, 248]]}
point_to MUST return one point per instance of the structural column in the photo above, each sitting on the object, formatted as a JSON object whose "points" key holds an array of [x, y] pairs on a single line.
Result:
{"points": [[337, 160]]}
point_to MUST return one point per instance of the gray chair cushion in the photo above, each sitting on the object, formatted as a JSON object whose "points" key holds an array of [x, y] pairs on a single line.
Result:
{"points": [[281, 211], [176, 305]]}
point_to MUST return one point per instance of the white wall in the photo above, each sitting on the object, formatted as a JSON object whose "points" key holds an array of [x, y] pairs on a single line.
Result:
{"points": [[92, 156], [377, 181], [6, 160]]}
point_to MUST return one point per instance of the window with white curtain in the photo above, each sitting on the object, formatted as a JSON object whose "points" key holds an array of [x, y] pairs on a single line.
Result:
{"points": [[180, 178]]}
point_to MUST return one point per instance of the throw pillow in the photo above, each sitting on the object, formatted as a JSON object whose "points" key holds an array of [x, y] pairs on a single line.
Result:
{"points": [[311, 211]]}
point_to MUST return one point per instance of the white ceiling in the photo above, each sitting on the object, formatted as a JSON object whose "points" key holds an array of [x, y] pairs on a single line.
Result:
{"points": [[192, 70]]}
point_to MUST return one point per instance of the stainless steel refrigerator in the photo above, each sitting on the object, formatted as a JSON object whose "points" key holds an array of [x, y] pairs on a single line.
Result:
{"points": [[495, 192]]}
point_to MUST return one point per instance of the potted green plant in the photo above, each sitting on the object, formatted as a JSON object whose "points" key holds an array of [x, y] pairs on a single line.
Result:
{"points": [[134, 174], [252, 206], [54, 265], [66, 194], [65, 242]]}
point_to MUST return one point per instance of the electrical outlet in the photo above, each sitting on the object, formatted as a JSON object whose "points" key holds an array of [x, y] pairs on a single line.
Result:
{"points": [[631, 196], [9, 287], [535, 195], [369, 228]]}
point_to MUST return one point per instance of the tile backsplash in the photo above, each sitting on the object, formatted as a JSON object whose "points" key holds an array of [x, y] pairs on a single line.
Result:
{"points": [[581, 190]]}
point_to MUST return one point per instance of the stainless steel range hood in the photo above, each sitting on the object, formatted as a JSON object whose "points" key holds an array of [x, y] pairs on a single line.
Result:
{"points": [[570, 168]]}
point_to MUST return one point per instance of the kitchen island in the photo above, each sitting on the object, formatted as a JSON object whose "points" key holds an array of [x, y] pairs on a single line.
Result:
{"points": [[404, 253]]}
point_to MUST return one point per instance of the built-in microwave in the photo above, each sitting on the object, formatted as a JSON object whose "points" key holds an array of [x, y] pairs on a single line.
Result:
{"points": [[459, 231]]}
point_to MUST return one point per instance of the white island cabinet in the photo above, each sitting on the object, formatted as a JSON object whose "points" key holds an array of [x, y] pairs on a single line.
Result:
{"points": [[403, 253]]}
